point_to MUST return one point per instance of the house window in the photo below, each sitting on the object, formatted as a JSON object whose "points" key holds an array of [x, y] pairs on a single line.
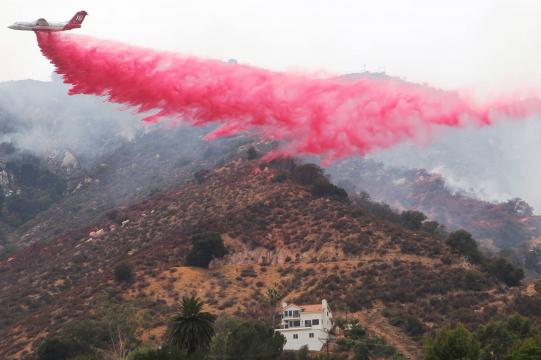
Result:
{"points": [[311, 335], [285, 313], [307, 323], [296, 323], [290, 313], [295, 336], [315, 322], [296, 313]]}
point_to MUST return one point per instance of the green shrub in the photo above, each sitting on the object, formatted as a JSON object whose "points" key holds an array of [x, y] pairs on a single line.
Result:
{"points": [[303, 353], [322, 187], [307, 174], [498, 337], [412, 219], [54, 349], [365, 347], [148, 353], [247, 340], [463, 242], [474, 280], [413, 326], [434, 228], [529, 349], [452, 344], [356, 245], [205, 247], [252, 153], [504, 271], [123, 272]]}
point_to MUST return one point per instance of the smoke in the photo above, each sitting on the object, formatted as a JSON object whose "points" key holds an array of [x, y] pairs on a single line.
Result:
{"points": [[495, 163], [40, 118], [308, 114]]}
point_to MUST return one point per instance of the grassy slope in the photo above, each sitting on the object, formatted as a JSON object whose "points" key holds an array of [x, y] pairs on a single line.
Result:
{"points": [[278, 235]]}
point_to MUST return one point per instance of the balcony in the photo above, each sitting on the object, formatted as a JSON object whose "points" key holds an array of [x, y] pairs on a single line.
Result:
{"points": [[291, 314], [289, 324]]}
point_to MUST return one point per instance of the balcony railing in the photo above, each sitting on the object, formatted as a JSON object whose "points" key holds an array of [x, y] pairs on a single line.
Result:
{"points": [[286, 326], [293, 315]]}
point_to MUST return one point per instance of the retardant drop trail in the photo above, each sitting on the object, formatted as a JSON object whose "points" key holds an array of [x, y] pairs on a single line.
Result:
{"points": [[328, 117]]}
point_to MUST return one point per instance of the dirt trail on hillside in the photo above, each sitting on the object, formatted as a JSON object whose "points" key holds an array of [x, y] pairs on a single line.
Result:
{"points": [[377, 325]]}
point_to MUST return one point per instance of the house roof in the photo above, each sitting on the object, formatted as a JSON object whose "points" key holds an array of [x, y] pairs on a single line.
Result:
{"points": [[307, 308], [312, 308]]}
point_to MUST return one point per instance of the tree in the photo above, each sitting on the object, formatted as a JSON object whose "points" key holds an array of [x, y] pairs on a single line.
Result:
{"points": [[363, 346], [191, 329], [123, 323], [223, 327], [521, 327], [323, 188], [273, 298], [529, 349], [412, 219], [495, 339], [123, 272], [504, 271], [85, 336], [307, 174], [463, 242], [517, 206], [452, 344], [498, 336], [434, 228], [54, 349], [254, 341], [205, 247], [303, 353], [252, 153]]}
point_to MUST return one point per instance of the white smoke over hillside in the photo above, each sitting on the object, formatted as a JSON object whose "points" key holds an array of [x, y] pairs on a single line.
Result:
{"points": [[41, 118], [496, 163]]}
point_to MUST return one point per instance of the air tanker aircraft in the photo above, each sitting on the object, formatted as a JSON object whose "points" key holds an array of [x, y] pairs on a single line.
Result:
{"points": [[43, 25]]}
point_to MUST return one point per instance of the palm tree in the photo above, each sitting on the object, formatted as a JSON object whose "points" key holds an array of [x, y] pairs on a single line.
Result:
{"points": [[273, 297], [191, 329]]}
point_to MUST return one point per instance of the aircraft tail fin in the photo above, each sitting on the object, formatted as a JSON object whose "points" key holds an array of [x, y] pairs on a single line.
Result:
{"points": [[76, 20]]}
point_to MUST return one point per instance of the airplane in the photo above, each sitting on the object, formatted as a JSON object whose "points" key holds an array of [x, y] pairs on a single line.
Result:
{"points": [[43, 25]]}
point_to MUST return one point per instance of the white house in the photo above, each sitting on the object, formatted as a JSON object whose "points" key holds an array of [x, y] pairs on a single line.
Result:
{"points": [[306, 325]]}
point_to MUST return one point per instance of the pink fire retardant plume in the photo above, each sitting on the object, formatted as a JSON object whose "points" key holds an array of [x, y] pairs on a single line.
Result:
{"points": [[309, 115]]}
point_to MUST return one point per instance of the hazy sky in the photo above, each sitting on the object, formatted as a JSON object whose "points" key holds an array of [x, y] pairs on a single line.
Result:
{"points": [[492, 44]]}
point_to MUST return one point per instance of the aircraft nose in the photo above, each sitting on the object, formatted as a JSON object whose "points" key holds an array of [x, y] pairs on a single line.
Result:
{"points": [[11, 26]]}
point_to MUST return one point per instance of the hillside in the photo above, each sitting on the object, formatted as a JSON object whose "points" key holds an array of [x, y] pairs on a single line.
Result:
{"points": [[509, 225], [65, 160], [278, 234]]}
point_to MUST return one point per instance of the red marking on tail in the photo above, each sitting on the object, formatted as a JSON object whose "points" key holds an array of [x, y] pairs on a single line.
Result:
{"points": [[76, 20]]}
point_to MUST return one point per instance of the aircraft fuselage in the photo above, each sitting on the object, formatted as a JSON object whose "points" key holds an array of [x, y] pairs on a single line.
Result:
{"points": [[44, 25], [33, 26]]}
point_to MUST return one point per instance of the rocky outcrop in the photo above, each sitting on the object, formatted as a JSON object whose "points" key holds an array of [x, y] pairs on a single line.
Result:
{"points": [[259, 256]]}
